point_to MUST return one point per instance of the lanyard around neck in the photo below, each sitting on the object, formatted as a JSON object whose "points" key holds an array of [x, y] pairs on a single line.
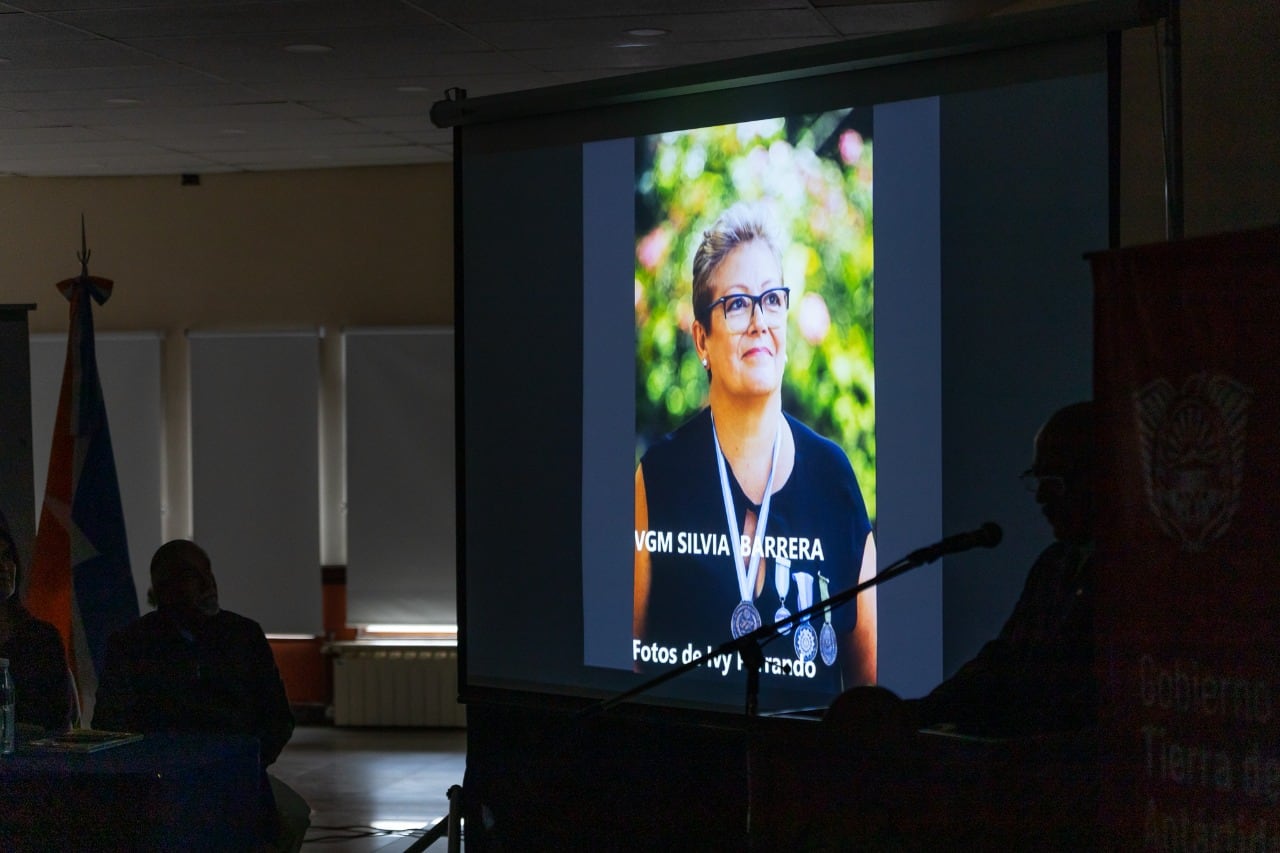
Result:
{"points": [[746, 573]]}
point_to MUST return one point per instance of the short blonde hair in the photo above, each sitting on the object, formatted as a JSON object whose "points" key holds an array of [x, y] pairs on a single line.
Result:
{"points": [[737, 226]]}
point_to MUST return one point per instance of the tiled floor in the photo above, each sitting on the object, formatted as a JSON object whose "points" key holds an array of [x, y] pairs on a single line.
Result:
{"points": [[359, 781]]}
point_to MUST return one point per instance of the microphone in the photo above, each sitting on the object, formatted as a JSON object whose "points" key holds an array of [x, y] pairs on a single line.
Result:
{"points": [[986, 536]]}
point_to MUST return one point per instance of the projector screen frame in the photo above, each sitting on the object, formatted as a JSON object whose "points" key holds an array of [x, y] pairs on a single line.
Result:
{"points": [[531, 113]]}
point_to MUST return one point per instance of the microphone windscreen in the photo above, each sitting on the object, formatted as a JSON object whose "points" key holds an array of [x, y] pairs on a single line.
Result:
{"points": [[991, 534]]}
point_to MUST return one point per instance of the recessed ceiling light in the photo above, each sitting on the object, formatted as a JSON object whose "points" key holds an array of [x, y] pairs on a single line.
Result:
{"points": [[307, 48], [412, 89], [647, 31], [123, 102], [633, 44]]}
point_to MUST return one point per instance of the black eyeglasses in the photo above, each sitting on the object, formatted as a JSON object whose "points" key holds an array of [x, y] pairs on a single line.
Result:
{"points": [[1054, 484], [739, 307]]}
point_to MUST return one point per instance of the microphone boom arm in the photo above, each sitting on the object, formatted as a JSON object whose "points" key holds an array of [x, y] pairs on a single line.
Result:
{"points": [[748, 645]]}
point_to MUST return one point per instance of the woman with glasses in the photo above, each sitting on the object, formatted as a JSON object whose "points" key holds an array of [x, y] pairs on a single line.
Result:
{"points": [[744, 515], [37, 661]]}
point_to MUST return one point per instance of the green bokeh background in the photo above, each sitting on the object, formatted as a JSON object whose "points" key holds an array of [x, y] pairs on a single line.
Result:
{"points": [[815, 173]]}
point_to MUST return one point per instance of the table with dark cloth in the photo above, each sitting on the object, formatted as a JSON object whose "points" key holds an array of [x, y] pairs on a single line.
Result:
{"points": [[188, 792]]}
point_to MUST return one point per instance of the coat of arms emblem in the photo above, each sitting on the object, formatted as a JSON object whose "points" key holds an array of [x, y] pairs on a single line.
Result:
{"points": [[1192, 444]]}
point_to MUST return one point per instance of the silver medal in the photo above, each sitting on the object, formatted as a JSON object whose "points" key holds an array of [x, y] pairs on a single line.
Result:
{"points": [[745, 619], [806, 642], [827, 643]]}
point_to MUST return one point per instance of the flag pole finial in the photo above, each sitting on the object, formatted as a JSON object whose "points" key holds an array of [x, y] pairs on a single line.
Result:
{"points": [[83, 255], [98, 288]]}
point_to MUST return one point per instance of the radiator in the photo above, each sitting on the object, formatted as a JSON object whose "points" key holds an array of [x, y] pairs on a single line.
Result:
{"points": [[396, 686]]}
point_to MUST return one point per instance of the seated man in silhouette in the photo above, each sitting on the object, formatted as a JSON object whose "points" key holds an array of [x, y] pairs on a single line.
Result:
{"points": [[37, 663], [190, 666], [1037, 675]]}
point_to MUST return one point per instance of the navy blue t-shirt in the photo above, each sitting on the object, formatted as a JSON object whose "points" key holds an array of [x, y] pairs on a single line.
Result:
{"points": [[817, 519]]}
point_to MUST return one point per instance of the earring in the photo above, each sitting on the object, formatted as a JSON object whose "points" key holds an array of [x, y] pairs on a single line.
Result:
{"points": [[704, 362]]}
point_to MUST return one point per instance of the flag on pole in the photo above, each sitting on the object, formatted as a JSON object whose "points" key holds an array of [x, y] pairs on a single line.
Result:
{"points": [[80, 580]]}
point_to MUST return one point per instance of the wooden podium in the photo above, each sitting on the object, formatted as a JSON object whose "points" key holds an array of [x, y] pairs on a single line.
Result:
{"points": [[1188, 394]]}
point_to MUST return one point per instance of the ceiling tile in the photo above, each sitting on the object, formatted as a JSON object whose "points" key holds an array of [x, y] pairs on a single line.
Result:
{"points": [[301, 17], [465, 11], [607, 32], [216, 91], [659, 56]]}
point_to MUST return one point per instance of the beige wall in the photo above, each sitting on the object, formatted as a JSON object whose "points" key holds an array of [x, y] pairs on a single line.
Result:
{"points": [[324, 248], [1231, 119]]}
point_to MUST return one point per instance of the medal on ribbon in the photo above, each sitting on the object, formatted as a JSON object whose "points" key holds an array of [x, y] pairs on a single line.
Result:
{"points": [[782, 583], [745, 618], [806, 638], [827, 638]]}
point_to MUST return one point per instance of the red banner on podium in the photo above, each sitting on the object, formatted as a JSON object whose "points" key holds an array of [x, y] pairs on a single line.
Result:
{"points": [[1187, 388]]}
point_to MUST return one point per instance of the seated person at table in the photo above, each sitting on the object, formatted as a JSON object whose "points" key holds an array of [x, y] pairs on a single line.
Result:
{"points": [[37, 661], [190, 666], [1037, 675]]}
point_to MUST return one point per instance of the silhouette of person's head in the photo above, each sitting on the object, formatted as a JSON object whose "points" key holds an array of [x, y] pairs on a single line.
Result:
{"points": [[183, 583], [1061, 472]]}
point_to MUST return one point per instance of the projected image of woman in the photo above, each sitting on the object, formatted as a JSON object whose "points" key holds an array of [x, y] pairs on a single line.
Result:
{"points": [[743, 514]]}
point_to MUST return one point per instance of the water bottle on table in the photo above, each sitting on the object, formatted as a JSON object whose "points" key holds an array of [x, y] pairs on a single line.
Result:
{"points": [[6, 709]]}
